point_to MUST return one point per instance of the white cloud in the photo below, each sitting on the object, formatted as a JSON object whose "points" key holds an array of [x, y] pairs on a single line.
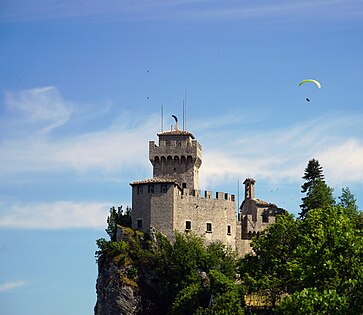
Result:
{"points": [[42, 106], [282, 154], [4, 287], [28, 145], [54, 215]]}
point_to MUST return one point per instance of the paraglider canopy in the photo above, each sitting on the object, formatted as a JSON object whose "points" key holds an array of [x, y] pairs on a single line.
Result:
{"points": [[312, 81]]}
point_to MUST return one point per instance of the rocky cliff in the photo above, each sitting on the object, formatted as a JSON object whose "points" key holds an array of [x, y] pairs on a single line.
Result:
{"points": [[124, 284]]}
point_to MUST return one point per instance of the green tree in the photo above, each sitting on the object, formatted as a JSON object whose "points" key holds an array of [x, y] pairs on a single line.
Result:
{"points": [[313, 171], [225, 296], [310, 301], [319, 195], [348, 201], [265, 272], [329, 256], [117, 217], [186, 269]]}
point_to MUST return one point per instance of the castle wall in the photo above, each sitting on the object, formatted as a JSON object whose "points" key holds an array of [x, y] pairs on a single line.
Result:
{"points": [[153, 206], [162, 214], [140, 208], [220, 212]]}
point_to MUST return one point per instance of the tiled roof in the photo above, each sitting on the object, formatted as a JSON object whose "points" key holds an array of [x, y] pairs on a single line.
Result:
{"points": [[262, 202], [154, 180]]}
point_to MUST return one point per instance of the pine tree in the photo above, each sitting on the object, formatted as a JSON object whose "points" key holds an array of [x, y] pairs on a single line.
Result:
{"points": [[319, 195], [317, 192], [312, 172], [348, 201]]}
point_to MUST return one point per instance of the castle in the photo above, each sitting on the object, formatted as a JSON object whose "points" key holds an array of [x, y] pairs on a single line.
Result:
{"points": [[171, 200]]}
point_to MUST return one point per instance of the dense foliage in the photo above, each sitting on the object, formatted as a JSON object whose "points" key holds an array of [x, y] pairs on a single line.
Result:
{"points": [[307, 265], [117, 217]]}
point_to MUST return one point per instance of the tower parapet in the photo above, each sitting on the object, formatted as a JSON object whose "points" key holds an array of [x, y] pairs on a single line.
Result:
{"points": [[178, 155]]}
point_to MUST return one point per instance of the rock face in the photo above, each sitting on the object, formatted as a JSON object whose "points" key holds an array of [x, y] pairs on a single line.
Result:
{"points": [[116, 294], [126, 285]]}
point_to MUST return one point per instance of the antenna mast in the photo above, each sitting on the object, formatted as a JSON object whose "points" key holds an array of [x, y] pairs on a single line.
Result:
{"points": [[238, 197], [162, 118], [183, 116], [185, 110]]}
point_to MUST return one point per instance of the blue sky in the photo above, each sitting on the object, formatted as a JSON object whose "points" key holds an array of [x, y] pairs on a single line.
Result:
{"points": [[81, 87]]}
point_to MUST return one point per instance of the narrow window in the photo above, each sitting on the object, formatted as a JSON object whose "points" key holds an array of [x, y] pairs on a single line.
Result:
{"points": [[265, 217], [139, 190], [188, 225], [163, 188], [184, 185], [209, 227], [150, 189], [139, 223], [228, 229]]}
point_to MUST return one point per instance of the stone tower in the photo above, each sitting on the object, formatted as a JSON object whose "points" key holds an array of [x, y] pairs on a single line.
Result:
{"points": [[178, 156]]}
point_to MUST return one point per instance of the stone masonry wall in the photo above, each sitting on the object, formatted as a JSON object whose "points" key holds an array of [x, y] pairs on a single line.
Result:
{"points": [[219, 211]]}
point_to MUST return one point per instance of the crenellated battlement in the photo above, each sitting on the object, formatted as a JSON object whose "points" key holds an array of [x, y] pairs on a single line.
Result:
{"points": [[174, 147], [208, 194]]}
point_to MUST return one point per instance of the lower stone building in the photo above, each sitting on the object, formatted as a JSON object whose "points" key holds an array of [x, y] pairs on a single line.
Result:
{"points": [[171, 201]]}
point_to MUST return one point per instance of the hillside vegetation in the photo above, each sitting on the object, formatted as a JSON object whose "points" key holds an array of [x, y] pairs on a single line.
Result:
{"points": [[312, 264]]}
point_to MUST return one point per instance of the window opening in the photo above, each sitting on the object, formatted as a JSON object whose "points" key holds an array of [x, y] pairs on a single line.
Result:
{"points": [[188, 225], [150, 189], [265, 217], [139, 223], [209, 227]]}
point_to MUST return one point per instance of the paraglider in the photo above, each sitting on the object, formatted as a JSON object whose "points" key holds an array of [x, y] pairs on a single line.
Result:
{"points": [[316, 82], [312, 81]]}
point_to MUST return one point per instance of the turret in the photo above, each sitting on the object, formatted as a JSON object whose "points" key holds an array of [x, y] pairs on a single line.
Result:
{"points": [[249, 188]]}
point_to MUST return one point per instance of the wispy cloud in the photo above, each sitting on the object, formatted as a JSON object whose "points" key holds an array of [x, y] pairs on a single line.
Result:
{"points": [[275, 153], [12, 285], [180, 9], [281, 154], [54, 215], [41, 106], [28, 145]]}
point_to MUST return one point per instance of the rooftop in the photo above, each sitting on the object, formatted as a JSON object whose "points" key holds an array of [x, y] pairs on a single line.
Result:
{"points": [[154, 180], [176, 132]]}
